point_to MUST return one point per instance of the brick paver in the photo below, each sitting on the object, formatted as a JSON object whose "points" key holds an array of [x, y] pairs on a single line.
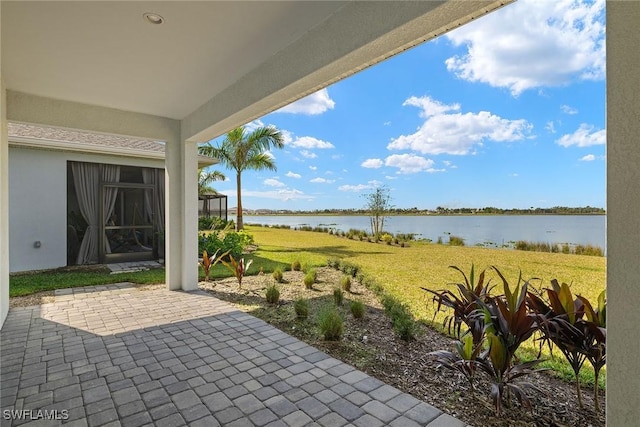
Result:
{"points": [[116, 355]]}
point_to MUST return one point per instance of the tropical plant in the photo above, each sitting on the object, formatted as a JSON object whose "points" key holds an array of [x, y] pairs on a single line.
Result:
{"points": [[465, 360], [272, 294], [508, 323], [277, 275], [301, 307], [563, 323], [330, 323], [206, 177], [237, 268], [208, 262], [464, 305], [242, 150]]}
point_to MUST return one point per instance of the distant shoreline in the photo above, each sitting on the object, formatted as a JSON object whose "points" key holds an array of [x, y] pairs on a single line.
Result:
{"points": [[418, 214]]}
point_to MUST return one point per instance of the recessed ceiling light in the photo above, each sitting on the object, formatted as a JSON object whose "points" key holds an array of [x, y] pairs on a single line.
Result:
{"points": [[153, 18]]}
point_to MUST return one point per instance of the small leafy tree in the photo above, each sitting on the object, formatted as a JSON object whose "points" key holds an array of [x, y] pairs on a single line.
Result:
{"points": [[378, 203]]}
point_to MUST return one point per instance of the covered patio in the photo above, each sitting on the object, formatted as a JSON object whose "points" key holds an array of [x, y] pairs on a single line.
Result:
{"points": [[183, 75], [117, 355]]}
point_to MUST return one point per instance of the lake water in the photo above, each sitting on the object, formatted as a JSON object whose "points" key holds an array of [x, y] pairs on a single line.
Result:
{"points": [[489, 230]]}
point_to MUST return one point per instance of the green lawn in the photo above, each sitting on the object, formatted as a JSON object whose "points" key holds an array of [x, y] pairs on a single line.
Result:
{"points": [[400, 271]]}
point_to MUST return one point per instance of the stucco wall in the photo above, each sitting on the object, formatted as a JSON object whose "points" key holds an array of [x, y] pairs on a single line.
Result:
{"points": [[38, 204]]}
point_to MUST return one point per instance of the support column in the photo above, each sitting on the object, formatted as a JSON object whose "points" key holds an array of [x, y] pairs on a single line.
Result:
{"points": [[181, 210], [4, 207], [623, 221]]}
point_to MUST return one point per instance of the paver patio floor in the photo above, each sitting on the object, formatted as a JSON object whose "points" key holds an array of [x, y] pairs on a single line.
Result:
{"points": [[119, 356]]}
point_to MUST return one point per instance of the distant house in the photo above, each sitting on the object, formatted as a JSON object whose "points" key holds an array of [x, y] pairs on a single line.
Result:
{"points": [[79, 197]]}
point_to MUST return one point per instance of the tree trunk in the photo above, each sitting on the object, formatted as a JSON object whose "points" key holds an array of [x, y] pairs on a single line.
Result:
{"points": [[239, 223]]}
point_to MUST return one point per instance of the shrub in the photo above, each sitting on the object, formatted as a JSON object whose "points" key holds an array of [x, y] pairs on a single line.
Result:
{"points": [[403, 324], [330, 324], [338, 296], [456, 240], [277, 275], [387, 238], [345, 283], [296, 266], [224, 241], [357, 309], [310, 279], [333, 263], [272, 294], [301, 307], [213, 223]]}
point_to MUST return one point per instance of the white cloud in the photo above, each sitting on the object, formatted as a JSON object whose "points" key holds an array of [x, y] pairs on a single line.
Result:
{"points": [[293, 175], [410, 163], [251, 126], [391, 177], [372, 163], [532, 44], [316, 103], [387, 123], [588, 158], [550, 127], [456, 133], [322, 181], [336, 156], [585, 136], [308, 154], [313, 168], [360, 187], [568, 110], [308, 142], [273, 182]]}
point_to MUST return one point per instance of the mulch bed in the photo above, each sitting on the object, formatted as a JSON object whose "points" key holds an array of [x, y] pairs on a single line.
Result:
{"points": [[371, 345]]}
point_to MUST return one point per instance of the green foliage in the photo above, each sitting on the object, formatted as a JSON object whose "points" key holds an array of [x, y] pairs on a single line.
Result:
{"points": [[213, 223], [456, 240], [301, 307], [272, 294], [242, 150], [296, 266], [237, 268], [565, 248], [378, 205], [277, 275], [345, 283], [338, 296], [357, 309], [330, 323], [310, 279], [387, 238], [403, 324], [224, 241]]}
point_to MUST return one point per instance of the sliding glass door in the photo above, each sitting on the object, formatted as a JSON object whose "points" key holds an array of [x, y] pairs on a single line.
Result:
{"points": [[128, 222]]}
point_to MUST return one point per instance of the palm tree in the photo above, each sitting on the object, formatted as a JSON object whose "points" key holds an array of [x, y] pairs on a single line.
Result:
{"points": [[241, 151], [205, 178]]}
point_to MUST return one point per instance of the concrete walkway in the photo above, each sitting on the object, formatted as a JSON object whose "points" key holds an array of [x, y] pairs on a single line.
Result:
{"points": [[119, 356]]}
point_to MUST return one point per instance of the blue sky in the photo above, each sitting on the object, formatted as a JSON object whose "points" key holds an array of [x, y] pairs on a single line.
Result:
{"points": [[508, 111]]}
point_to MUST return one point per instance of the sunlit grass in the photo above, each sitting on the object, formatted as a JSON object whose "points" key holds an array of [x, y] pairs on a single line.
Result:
{"points": [[403, 271]]}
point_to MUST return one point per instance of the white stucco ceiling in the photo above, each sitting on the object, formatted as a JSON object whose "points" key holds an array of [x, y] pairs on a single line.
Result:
{"points": [[212, 65]]}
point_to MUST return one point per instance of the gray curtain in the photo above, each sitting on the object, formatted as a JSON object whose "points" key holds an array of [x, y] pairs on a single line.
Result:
{"points": [[110, 173], [155, 177], [86, 178]]}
